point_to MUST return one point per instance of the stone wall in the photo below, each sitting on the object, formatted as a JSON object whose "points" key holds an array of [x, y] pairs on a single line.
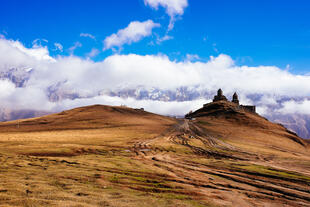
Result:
{"points": [[249, 108]]}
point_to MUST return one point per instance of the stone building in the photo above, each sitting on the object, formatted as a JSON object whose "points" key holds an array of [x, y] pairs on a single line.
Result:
{"points": [[219, 96], [235, 99], [248, 108], [233, 104]]}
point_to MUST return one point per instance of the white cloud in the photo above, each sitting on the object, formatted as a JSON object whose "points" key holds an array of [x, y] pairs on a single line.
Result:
{"points": [[6, 88], [58, 46], [38, 43], [15, 53], [93, 53], [134, 32], [86, 79], [215, 48], [173, 8], [192, 57], [159, 40], [88, 35], [263, 110], [74, 47], [268, 100], [295, 107], [166, 108]]}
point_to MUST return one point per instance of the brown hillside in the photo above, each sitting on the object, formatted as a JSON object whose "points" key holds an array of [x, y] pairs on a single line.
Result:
{"points": [[224, 119], [118, 156], [89, 117]]}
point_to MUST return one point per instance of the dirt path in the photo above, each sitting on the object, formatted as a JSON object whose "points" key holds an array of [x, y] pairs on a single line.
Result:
{"points": [[225, 184], [184, 166]]}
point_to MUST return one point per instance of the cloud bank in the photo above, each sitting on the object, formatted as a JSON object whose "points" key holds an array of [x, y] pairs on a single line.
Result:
{"points": [[83, 81], [295, 107]]}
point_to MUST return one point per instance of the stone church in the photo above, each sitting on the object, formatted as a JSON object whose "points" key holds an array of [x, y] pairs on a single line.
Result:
{"points": [[221, 97]]}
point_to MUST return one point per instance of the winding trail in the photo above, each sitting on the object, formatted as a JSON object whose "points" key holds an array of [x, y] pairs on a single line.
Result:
{"points": [[220, 181]]}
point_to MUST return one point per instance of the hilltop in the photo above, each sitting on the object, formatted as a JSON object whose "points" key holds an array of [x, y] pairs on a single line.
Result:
{"points": [[225, 116], [89, 117], [222, 155]]}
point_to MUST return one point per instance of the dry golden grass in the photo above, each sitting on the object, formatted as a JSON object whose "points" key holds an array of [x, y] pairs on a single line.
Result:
{"points": [[82, 158], [117, 156]]}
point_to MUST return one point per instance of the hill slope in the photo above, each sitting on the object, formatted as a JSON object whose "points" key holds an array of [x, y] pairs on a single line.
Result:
{"points": [[117, 156], [89, 117], [233, 124]]}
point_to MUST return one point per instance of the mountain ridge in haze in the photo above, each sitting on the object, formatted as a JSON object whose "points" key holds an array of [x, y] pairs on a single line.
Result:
{"points": [[299, 123]]}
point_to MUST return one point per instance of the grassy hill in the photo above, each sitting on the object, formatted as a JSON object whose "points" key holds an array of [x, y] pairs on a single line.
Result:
{"points": [[118, 156]]}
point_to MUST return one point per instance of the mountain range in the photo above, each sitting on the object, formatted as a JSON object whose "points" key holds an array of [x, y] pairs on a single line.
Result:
{"points": [[297, 122]]}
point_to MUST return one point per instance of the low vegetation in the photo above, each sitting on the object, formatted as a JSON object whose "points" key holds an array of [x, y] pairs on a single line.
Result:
{"points": [[116, 156]]}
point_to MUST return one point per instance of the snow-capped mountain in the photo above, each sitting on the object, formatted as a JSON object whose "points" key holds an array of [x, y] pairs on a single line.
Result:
{"points": [[298, 123], [155, 94], [56, 92], [18, 76]]}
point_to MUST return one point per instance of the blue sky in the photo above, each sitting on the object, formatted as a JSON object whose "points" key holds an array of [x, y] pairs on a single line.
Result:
{"points": [[252, 32], [85, 52]]}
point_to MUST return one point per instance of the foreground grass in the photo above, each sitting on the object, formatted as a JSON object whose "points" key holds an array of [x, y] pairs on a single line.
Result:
{"points": [[92, 168], [127, 157], [87, 180], [85, 168]]}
